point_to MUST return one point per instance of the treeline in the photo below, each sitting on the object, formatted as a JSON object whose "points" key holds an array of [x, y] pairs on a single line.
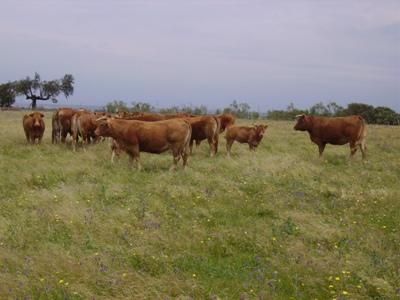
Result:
{"points": [[373, 115], [241, 109]]}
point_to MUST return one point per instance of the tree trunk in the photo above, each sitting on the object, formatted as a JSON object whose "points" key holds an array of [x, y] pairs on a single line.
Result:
{"points": [[34, 103]]}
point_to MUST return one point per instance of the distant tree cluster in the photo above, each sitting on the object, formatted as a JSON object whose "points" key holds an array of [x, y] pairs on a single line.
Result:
{"points": [[373, 115], [34, 89]]}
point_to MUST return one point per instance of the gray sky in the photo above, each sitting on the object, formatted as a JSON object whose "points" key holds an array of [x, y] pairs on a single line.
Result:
{"points": [[210, 52]]}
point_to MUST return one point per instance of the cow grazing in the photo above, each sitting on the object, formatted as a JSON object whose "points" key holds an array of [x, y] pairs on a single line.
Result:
{"points": [[34, 126], [244, 134], [83, 124], [335, 131], [134, 136], [205, 127], [62, 124]]}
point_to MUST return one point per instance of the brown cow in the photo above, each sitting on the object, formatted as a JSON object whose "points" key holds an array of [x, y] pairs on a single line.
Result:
{"points": [[335, 131], [244, 134], [33, 124], [134, 136], [62, 124], [83, 124], [205, 127]]}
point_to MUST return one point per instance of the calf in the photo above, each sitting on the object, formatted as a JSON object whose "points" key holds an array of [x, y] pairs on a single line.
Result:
{"points": [[335, 131], [33, 124], [244, 134], [134, 136]]}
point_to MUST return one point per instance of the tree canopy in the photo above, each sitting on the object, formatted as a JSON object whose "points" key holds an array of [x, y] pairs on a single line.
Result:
{"points": [[35, 89], [7, 94]]}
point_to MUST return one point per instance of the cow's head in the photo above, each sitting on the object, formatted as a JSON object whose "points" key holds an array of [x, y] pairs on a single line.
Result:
{"points": [[102, 126], [227, 119], [302, 123], [260, 130], [37, 119]]}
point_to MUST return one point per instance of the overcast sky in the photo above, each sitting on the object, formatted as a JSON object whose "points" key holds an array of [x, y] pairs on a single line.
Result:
{"points": [[208, 52]]}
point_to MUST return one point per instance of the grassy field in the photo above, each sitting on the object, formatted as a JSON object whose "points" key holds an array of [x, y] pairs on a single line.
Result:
{"points": [[274, 224]]}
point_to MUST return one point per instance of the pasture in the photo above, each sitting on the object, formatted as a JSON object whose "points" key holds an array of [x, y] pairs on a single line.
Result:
{"points": [[278, 223]]}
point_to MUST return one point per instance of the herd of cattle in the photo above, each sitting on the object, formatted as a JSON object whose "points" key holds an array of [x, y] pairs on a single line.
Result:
{"points": [[156, 133]]}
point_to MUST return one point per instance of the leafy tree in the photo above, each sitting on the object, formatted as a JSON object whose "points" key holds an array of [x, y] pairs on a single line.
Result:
{"points": [[7, 94], [319, 109], [365, 110], [116, 106], [35, 89], [334, 109], [141, 106], [241, 110], [385, 115]]}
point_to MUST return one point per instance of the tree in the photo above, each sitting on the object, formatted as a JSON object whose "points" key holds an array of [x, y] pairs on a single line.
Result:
{"points": [[35, 89], [365, 110], [334, 109], [241, 110], [141, 106], [385, 115], [116, 106], [319, 109], [7, 94]]}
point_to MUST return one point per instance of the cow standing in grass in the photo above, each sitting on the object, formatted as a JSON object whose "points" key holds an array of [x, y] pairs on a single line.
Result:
{"points": [[134, 137], [335, 131], [205, 127], [244, 134], [83, 125], [34, 127], [62, 121]]}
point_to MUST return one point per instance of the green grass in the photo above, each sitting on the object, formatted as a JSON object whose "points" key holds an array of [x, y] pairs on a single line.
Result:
{"points": [[278, 223]]}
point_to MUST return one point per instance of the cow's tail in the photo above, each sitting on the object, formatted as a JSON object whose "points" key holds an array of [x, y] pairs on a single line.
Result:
{"points": [[216, 134], [361, 141]]}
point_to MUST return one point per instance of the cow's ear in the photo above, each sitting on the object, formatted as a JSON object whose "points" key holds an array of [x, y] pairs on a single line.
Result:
{"points": [[265, 126], [42, 115], [31, 114], [298, 117]]}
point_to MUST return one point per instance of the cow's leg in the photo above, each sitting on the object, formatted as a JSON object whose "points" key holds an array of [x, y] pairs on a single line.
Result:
{"points": [[185, 155], [353, 149], [211, 143], [191, 146], [228, 147], [198, 143], [363, 148], [136, 156], [321, 148], [176, 152], [216, 139], [27, 136]]}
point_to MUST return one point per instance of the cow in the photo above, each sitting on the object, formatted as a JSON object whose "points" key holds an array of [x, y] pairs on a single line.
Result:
{"points": [[83, 124], [34, 127], [244, 134], [62, 124], [134, 136], [205, 127], [335, 131]]}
